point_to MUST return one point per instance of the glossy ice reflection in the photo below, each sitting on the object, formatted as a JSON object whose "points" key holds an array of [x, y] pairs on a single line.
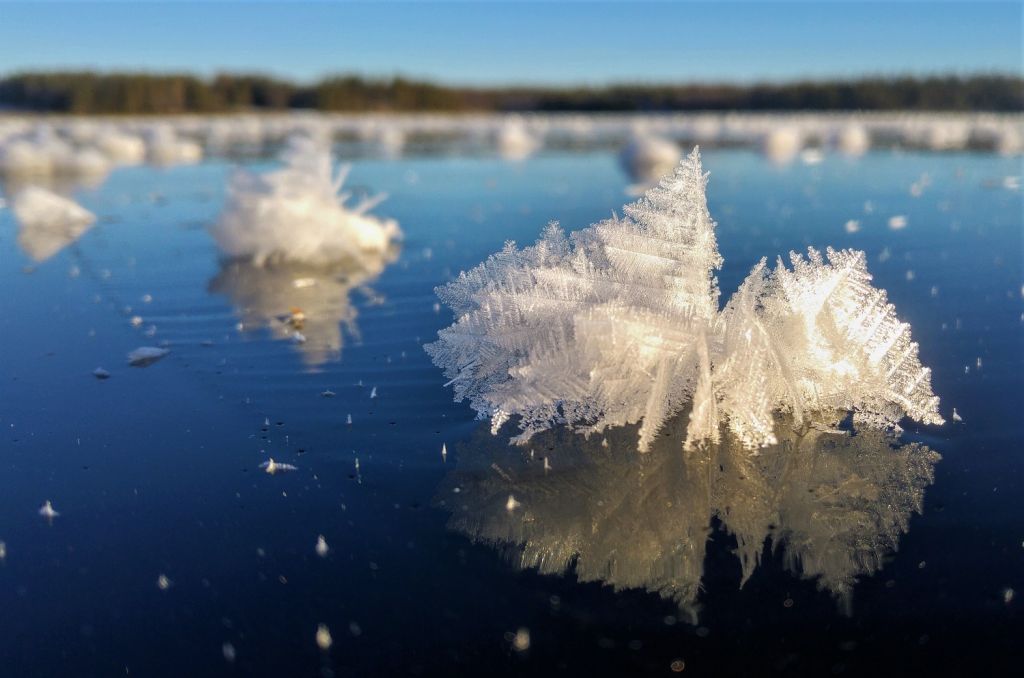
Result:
{"points": [[834, 502]]}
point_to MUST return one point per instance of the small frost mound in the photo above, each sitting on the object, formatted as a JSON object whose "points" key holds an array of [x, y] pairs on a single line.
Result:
{"points": [[782, 144], [48, 222], [648, 157], [298, 214]]}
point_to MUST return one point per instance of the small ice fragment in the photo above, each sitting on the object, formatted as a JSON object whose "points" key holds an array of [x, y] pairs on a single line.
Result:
{"points": [[852, 226], [302, 283], [229, 652], [3, 551], [373, 392], [101, 373], [437, 307], [444, 452], [1008, 594], [956, 415], [146, 355], [266, 421], [511, 504], [328, 393], [547, 465], [147, 298], [47, 511], [897, 222], [812, 156], [136, 321], [348, 420], [910, 275], [323, 637], [163, 583], [521, 642], [299, 338], [935, 290], [272, 467], [977, 363], [322, 548]]}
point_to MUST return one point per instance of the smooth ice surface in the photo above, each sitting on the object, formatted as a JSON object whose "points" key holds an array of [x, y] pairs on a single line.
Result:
{"points": [[156, 471]]}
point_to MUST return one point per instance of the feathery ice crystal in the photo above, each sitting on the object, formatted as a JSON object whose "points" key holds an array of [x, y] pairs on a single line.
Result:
{"points": [[619, 323], [296, 213]]}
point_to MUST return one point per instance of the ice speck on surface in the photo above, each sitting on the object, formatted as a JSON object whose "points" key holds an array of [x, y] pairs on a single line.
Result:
{"points": [[274, 467], [163, 583], [897, 222], [101, 373], [323, 637], [146, 355], [47, 511], [619, 323], [322, 549]]}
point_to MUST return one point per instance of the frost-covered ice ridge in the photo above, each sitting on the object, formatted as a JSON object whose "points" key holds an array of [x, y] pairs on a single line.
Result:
{"points": [[620, 323]]}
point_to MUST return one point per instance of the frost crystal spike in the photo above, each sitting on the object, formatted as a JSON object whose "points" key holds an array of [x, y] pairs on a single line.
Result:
{"points": [[619, 323]]}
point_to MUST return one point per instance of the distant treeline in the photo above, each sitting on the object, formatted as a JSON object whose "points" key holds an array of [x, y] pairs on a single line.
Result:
{"points": [[87, 92]]}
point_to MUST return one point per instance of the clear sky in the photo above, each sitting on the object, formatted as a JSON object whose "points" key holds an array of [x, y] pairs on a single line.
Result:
{"points": [[502, 43]]}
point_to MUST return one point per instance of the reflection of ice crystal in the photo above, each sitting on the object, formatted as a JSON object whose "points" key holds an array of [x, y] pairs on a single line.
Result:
{"points": [[298, 214], [834, 504], [619, 323], [294, 300]]}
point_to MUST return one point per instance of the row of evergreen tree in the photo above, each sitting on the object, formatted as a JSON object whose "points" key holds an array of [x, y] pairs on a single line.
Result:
{"points": [[132, 93]]}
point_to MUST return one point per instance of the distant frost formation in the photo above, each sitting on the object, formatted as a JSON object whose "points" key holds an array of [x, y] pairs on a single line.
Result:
{"points": [[298, 213], [620, 323], [48, 222], [834, 505]]}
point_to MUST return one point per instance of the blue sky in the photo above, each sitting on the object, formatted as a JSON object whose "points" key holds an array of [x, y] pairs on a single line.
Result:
{"points": [[501, 43]]}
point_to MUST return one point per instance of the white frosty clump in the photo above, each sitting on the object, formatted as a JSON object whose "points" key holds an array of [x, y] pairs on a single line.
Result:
{"points": [[620, 323], [647, 157], [48, 222], [297, 214]]}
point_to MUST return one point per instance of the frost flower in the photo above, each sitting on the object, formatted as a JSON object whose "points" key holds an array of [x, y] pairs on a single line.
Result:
{"points": [[620, 323]]}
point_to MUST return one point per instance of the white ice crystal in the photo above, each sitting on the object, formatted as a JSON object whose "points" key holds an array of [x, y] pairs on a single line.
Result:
{"points": [[296, 213], [620, 323]]}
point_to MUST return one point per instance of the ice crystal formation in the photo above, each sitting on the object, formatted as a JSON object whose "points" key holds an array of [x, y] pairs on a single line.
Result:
{"points": [[620, 323], [298, 213], [833, 504]]}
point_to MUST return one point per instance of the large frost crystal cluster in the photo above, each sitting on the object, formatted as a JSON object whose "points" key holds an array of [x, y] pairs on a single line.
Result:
{"points": [[619, 323], [298, 213]]}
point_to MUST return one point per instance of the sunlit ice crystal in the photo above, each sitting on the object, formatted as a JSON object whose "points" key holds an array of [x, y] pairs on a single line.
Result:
{"points": [[620, 323], [299, 214]]}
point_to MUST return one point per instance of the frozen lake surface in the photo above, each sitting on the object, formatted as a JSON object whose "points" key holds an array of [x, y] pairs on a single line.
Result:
{"points": [[174, 553]]}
